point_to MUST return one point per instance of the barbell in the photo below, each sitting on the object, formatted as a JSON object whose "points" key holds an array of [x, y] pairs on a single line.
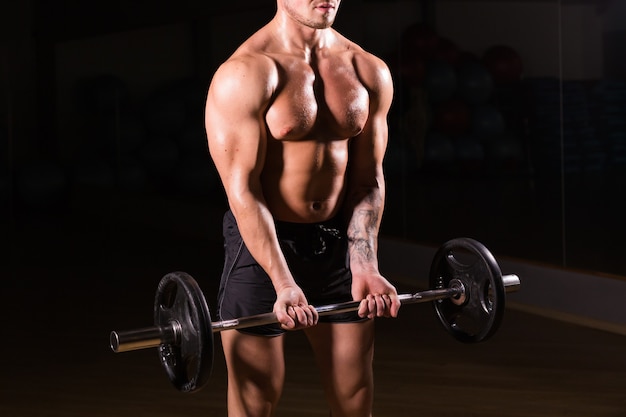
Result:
{"points": [[468, 292]]}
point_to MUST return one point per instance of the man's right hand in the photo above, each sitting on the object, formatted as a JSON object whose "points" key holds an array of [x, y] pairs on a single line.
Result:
{"points": [[292, 309]]}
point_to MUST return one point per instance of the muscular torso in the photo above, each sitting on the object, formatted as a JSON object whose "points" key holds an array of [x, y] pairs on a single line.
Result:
{"points": [[318, 106]]}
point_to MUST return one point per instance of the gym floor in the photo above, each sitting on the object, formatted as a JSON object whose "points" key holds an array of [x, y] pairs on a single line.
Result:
{"points": [[75, 275]]}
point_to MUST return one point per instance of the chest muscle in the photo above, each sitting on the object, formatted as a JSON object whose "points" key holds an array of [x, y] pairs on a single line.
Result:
{"points": [[323, 103]]}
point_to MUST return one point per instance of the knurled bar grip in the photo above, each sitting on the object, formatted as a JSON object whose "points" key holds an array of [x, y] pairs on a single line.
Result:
{"points": [[150, 337]]}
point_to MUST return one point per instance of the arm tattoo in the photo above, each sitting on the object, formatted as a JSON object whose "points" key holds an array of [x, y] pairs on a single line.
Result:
{"points": [[361, 234]]}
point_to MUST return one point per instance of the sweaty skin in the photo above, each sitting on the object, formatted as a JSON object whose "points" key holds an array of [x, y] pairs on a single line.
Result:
{"points": [[296, 121], [282, 147]]}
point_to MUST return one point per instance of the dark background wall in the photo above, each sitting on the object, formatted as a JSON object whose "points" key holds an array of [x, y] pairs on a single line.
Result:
{"points": [[105, 99]]}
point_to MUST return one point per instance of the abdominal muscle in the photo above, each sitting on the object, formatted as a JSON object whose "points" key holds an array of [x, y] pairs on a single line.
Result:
{"points": [[304, 180]]}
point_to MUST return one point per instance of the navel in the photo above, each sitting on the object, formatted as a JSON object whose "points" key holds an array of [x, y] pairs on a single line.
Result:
{"points": [[317, 205]]}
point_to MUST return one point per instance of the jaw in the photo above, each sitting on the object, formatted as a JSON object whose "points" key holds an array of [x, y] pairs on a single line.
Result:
{"points": [[320, 15]]}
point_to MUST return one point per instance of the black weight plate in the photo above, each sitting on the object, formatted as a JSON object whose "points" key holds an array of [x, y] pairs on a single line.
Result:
{"points": [[188, 361], [480, 315]]}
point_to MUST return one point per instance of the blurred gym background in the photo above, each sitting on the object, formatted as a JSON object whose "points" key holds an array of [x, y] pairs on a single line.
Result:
{"points": [[508, 126]]}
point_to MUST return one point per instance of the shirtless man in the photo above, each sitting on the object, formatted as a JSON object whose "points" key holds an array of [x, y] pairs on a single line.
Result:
{"points": [[296, 121]]}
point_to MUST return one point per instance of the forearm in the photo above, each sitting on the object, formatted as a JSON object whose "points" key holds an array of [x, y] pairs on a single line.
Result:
{"points": [[365, 208], [257, 228]]}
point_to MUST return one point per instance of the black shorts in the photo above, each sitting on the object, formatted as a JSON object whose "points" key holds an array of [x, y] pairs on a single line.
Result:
{"points": [[317, 256]]}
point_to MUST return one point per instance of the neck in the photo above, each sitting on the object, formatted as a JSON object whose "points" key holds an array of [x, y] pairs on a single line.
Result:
{"points": [[299, 38]]}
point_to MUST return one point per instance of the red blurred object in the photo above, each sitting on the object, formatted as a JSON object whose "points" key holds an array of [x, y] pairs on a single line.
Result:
{"points": [[504, 64], [452, 118]]}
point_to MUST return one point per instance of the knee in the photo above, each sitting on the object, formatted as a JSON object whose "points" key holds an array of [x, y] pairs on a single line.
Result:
{"points": [[252, 398], [258, 401], [355, 401], [265, 390]]}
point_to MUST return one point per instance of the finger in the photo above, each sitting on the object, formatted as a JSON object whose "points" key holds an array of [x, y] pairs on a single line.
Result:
{"points": [[303, 316], [395, 305], [388, 303], [371, 305], [285, 318], [363, 308], [381, 307], [293, 315], [310, 313]]}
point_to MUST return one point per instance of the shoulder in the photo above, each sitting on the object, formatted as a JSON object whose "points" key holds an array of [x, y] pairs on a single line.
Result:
{"points": [[245, 71], [372, 71]]}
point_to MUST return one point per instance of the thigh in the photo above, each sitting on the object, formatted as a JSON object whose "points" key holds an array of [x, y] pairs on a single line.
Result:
{"points": [[256, 372], [344, 354], [245, 288]]}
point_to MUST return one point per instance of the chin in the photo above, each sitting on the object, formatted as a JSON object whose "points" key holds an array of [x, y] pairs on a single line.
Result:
{"points": [[322, 25]]}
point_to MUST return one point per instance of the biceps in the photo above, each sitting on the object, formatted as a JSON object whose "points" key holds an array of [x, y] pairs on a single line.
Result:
{"points": [[368, 151], [237, 147]]}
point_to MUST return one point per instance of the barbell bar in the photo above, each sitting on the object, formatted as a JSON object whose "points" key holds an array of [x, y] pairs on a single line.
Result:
{"points": [[467, 290], [154, 336]]}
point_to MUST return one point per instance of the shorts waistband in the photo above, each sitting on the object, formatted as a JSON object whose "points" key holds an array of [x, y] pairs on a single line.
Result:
{"points": [[286, 230], [332, 227]]}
